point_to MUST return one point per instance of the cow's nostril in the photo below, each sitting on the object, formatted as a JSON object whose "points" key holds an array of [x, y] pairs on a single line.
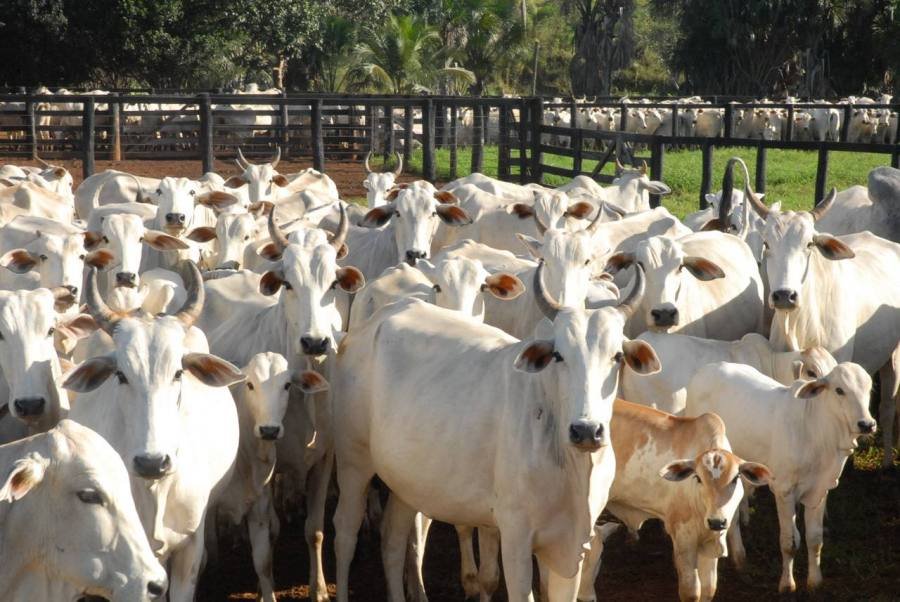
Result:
{"points": [[156, 589], [29, 406], [717, 524], [72, 289]]}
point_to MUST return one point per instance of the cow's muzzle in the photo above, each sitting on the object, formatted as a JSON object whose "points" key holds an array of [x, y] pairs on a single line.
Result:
{"points": [[785, 298], [269, 432], [664, 317], [29, 407], [314, 345], [412, 256], [153, 466], [717, 524], [126, 279], [587, 435], [866, 427]]}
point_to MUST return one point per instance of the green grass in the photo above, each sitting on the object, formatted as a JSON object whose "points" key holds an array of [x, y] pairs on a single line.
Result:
{"points": [[791, 176]]}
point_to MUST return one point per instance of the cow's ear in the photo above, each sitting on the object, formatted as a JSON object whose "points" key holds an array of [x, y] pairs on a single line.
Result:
{"points": [[19, 261], [350, 279], [211, 370], [90, 374], [68, 333], [280, 181], [656, 187], [715, 224], [202, 234], [678, 470], [26, 474], [811, 388], [832, 248], [270, 282], [235, 182], [310, 381], [377, 217], [533, 245], [217, 199], [453, 215], [503, 285], [92, 240], [520, 210], [269, 251], [445, 196], [165, 242], [580, 210], [755, 474], [641, 357], [536, 356], [100, 259], [703, 269], [618, 262]]}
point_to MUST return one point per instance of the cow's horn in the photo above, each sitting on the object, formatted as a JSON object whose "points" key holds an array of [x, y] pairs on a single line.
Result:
{"points": [[241, 159], [340, 237], [368, 169], [98, 308], [545, 302], [278, 238], [823, 207], [630, 303], [193, 305], [592, 227], [276, 158], [399, 169], [42, 163]]}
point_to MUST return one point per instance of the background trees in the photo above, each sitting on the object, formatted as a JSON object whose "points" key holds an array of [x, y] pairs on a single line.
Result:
{"points": [[582, 47]]}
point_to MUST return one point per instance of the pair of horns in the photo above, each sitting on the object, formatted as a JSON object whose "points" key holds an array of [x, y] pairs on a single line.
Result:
{"points": [[397, 170], [549, 307], [243, 163], [590, 229], [280, 240]]}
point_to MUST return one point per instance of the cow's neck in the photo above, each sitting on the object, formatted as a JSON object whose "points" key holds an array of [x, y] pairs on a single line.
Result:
{"points": [[810, 325]]}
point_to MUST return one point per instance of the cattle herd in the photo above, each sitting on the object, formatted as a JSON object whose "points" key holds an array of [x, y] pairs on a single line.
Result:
{"points": [[182, 358]]}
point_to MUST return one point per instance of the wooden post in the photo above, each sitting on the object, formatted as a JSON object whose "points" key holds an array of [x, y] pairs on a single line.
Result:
{"points": [[87, 138], [389, 141], [32, 127], [845, 126], [523, 141], [789, 130], [116, 108], [284, 123], [454, 118], [760, 168], [318, 144], [657, 156], [536, 113], [206, 133], [706, 174], [477, 138], [428, 165], [503, 143], [577, 142], [440, 125], [371, 125], [729, 120], [674, 120], [623, 117], [407, 133], [821, 174]]}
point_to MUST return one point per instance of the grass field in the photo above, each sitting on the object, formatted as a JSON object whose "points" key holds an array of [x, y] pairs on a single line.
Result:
{"points": [[791, 174]]}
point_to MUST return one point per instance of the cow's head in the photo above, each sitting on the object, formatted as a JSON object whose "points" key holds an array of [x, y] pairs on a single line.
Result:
{"points": [[717, 476], [843, 394], [459, 283], [175, 199], [267, 390], [260, 182], [378, 184], [235, 235], [550, 210], [668, 269], [414, 213], [59, 260], [143, 378], [70, 482], [790, 241], [309, 274], [125, 235], [587, 350], [635, 186], [56, 178]]}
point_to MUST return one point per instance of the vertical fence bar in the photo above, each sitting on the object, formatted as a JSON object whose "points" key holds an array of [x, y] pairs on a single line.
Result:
{"points": [[115, 108], [440, 124], [657, 155], [318, 144], [623, 117], [674, 120], [760, 168], [428, 165], [706, 173], [32, 127], [821, 174], [536, 113], [503, 143], [845, 126], [577, 141], [454, 118], [284, 123], [477, 137], [388, 132], [87, 138], [729, 120], [371, 126], [523, 141], [206, 133], [789, 130], [407, 133]]}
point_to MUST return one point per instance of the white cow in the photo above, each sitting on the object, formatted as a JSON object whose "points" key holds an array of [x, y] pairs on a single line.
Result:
{"points": [[377, 184], [522, 432], [165, 409], [70, 485], [875, 208], [804, 433], [34, 199]]}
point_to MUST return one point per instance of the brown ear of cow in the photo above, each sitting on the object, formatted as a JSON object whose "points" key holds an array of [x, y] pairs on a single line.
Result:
{"points": [[678, 470], [211, 370], [453, 215], [832, 248], [521, 210], [580, 210], [756, 474], [350, 279], [811, 389], [100, 259], [703, 269], [310, 381], [202, 234], [165, 242], [445, 196], [235, 182], [280, 181], [503, 285], [69, 333], [269, 251], [217, 199], [641, 357], [377, 217], [618, 262], [90, 374], [536, 356], [92, 239], [270, 282], [26, 474], [19, 261], [715, 224]]}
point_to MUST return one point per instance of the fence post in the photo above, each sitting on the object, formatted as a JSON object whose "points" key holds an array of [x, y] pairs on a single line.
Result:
{"points": [[318, 144], [789, 130], [206, 133], [523, 141], [536, 113], [32, 127], [657, 154], [674, 121], [115, 107], [503, 143], [477, 137], [454, 117], [729, 120], [389, 131], [407, 133], [821, 174], [87, 138], [371, 125], [845, 126], [440, 124], [623, 117], [577, 143], [285, 123], [706, 174], [428, 166], [760, 168]]}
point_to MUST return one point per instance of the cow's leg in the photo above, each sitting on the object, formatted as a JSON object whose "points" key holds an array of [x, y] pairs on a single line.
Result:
{"points": [[261, 544], [685, 556], [707, 568], [787, 524], [591, 567], [489, 554], [317, 493], [351, 507], [185, 566], [468, 569], [515, 543], [415, 557], [562, 589], [396, 526], [814, 519], [887, 409], [736, 545]]}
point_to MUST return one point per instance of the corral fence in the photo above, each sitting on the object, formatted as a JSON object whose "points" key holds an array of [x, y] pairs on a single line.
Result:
{"points": [[207, 126]]}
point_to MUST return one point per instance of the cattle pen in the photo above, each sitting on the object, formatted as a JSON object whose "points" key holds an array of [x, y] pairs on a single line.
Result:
{"points": [[324, 128]]}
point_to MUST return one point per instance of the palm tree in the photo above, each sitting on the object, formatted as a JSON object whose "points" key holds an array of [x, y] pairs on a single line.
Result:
{"points": [[488, 30], [405, 55], [338, 69]]}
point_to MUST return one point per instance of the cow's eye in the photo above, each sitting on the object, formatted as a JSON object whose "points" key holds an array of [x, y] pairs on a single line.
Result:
{"points": [[250, 385], [287, 386], [90, 496], [839, 391], [619, 356], [811, 374], [193, 193], [106, 240], [81, 257], [50, 332], [179, 374], [397, 213], [43, 257], [159, 191], [247, 237], [697, 478], [121, 377], [287, 285]]}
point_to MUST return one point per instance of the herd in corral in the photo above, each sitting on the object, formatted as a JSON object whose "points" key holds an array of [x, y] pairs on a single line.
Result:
{"points": [[184, 357]]}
